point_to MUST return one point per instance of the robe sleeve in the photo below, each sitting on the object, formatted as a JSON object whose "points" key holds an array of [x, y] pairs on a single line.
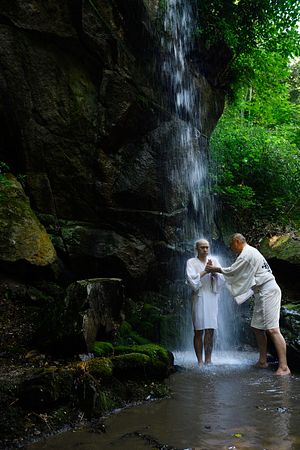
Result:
{"points": [[193, 276], [219, 277], [239, 277]]}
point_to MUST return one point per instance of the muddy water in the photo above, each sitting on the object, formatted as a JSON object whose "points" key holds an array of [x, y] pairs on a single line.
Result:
{"points": [[229, 405]]}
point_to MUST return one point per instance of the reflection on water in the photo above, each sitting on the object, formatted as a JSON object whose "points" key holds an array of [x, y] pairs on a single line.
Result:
{"points": [[228, 405]]}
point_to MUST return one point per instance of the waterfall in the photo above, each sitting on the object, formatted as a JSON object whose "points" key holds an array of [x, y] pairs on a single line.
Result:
{"points": [[183, 100], [190, 167]]}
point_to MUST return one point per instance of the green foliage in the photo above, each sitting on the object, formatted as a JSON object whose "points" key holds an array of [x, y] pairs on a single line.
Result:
{"points": [[255, 147], [248, 24], [256, 171]]}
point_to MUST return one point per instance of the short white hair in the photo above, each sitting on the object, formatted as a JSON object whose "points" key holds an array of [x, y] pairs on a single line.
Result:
{"points": [[239, 237], [201, 241]]}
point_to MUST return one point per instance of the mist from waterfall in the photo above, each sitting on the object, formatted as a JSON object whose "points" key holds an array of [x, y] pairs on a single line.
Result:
{"points": [[190, 167]]}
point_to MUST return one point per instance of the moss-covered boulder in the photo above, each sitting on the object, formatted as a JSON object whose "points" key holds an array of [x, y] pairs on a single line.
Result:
{"points": [[154, 351], [283, 247], [148, 361], [131, 365], [100, 368], [22, 237]]}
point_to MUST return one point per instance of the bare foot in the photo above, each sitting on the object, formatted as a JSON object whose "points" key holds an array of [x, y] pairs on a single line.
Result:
{"points": [[261, 365], [208, 362], [283, 371]]}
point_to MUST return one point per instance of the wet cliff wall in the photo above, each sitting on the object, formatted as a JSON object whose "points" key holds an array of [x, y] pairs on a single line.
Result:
{"points": [[81, 125]]}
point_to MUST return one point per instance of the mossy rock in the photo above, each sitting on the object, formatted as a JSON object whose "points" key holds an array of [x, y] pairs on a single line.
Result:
{"points": [[131, 365], [283, 247], [23, 237], [103, 348], [100, 368], [154, 351]]}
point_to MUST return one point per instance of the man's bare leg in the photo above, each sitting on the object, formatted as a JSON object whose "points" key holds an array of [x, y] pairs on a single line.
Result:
{"points": [[198, 345], [208, 344], [262, 343], [280, 347]]}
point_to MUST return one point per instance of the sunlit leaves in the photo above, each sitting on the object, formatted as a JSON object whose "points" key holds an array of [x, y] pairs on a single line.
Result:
{"points": [[248, 24]]}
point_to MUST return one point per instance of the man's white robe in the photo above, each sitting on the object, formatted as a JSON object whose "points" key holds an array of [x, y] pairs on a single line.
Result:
{"points": [[249, 270], [249, 274], [205, 294]]}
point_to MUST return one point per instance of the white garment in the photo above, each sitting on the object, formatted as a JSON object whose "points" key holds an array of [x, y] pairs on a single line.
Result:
{"points": [[249, 270], [266, 311], [206, 294]]}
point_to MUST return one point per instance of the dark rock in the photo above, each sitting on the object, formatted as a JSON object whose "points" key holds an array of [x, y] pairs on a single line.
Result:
{"points": [[50, 387], [92, 310]]}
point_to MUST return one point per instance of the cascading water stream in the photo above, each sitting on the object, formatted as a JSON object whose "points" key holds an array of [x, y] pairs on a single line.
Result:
{"points": [[183, 100], [190, 167]]}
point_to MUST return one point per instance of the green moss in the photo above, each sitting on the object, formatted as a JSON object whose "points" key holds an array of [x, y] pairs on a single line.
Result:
{"points": [[20, 227], [100, 367], [125, 328], [105, 402], [138, 359], [154, 351], [130, 365], [127, 336], [293, 307], [103, 348], [281, 247]]}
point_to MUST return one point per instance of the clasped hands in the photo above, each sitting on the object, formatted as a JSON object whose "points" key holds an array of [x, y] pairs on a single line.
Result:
{"points": [[210, 268]]}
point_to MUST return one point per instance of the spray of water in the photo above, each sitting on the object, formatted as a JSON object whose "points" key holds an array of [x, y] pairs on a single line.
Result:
{"points": [[190, 167]]}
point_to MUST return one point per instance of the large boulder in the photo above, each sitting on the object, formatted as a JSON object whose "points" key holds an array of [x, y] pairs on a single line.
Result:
{"points": [[22, 236]]}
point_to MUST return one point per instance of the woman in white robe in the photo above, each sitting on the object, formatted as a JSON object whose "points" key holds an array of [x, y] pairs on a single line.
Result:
{"points": [[206, 288]]}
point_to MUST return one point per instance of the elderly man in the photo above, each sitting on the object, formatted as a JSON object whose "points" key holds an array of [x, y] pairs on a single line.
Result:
{"points": [[205, 298], [250, 273]]}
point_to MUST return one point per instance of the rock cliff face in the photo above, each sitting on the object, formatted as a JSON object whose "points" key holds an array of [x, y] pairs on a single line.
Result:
{"points": [[82, 123]]}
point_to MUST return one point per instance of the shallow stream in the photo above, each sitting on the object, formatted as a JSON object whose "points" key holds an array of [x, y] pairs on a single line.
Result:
{"points": [[228, 405]]}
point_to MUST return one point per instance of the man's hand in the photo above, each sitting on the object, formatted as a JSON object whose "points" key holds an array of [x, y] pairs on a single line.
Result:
{"points": [[210, 268]]}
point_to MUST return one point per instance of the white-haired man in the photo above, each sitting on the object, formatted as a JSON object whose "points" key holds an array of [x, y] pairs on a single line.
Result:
{"points": [[250, 273], [205, 298]]}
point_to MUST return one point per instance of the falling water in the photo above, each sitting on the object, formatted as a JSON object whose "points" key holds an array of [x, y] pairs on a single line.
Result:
{"points": [[183, 99], [190, 168]]}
